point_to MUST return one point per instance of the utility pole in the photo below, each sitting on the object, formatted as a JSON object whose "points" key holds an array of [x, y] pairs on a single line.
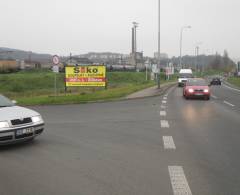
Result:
{"points": [[134, 44], [70, 58], [196, 55], [181, 40], [159, 39]]}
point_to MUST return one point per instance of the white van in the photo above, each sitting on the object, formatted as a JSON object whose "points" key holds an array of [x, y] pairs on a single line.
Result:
{"points": [[184, 75]]}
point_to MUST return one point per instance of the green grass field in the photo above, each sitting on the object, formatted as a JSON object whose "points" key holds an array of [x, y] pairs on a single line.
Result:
{"points": [[37, 88], [234, 81]]}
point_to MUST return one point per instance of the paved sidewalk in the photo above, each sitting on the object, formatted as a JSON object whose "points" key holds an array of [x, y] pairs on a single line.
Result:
{"points": [[150, 92]]}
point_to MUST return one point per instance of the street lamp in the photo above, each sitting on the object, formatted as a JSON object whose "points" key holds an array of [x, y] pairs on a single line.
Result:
{"points": [[196, 55], [134, 42], [159, 38], [181, 39]]}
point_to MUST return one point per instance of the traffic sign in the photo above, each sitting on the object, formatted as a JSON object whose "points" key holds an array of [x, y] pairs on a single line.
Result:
{"points": [[56, 60], [55, 69], [155, 69]]}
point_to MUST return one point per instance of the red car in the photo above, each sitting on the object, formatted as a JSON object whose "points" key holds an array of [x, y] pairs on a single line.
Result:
{"points": [[196, 88]]}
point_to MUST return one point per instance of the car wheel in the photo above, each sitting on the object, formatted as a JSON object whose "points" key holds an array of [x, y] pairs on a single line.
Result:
{"points": [[207, 98]]}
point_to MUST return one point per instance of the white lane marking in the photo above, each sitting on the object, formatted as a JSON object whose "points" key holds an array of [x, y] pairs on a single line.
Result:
{"points": [[178, 180], [164, 124], [231, 88], [165, 98], [163, 113], [163, 107], [228, 103], [169, 143], [164, 101], [215, 97]]}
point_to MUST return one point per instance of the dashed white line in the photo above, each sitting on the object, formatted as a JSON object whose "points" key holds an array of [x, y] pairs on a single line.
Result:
{"points": [[178, 180], [165, 98], [164, 101], [228, 103], [163, 107], [163, 113], [231, 88], [164, 124], [168, 143]]}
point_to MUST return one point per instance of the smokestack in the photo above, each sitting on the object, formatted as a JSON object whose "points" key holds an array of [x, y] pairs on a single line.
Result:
{"points": [[133, 40]]}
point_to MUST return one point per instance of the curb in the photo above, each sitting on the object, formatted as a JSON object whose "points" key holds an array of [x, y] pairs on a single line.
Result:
{"points": [[161, 92]]}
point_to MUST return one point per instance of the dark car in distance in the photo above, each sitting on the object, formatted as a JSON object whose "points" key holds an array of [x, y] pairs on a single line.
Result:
{"points": [[216, 81]]}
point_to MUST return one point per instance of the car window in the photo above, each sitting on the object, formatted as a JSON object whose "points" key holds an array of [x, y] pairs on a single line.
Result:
{"points": [[186, 76]]}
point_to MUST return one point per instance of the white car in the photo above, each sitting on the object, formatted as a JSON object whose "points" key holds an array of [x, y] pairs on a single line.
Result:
{"points": [[18, 124], [184, 75]]}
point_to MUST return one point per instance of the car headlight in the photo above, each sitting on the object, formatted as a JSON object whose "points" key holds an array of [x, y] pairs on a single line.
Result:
{"points": [[206, 90], [190, 90], [37, 119], [4, 124]]}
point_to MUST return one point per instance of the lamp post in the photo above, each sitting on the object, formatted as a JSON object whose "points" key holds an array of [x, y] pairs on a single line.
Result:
{"points": [[134, 43], [159, 39], [181, 39], [196, 54]]}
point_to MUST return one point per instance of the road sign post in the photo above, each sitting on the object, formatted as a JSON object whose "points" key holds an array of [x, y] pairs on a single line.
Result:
{"points": [[56, 62]]}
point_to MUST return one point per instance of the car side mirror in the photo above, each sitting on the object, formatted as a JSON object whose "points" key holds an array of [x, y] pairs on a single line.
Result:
{"points": [[14, 101]]}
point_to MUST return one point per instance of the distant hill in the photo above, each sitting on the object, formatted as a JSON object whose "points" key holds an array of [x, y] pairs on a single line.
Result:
{"points": [[15, 54]]}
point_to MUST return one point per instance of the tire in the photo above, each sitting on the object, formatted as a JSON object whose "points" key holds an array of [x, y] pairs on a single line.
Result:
{"points": [[207, 98]]}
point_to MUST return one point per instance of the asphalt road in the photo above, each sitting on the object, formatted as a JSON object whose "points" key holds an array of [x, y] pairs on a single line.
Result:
{"points": [[162, 145]]}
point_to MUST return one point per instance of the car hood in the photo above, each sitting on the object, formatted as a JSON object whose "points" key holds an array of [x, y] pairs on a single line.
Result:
{"points": [[15, 112], [197, 87]]}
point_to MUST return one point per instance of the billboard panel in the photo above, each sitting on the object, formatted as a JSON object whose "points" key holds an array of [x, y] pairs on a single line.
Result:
{"points": [[86, 76]]}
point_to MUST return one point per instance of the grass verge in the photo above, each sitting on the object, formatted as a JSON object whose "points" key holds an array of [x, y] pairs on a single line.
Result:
{"points": [[101, 95], [37, 88], [235, 81]]}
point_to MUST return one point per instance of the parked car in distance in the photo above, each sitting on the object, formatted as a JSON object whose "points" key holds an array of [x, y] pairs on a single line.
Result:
{"points": [[216, 81], [184, 75], [196, 88], [18, 124]]}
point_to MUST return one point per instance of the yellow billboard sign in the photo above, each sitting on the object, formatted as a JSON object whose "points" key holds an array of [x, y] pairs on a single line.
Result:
{"points": [[85, 76]]}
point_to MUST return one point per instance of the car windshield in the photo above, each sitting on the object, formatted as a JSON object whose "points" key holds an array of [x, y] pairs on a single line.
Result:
{"points": [[186, 75], [196, 83], [5, 102]]}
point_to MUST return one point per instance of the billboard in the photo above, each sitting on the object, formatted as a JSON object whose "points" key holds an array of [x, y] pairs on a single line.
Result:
{"points": [[169, 70], [85, 76]]}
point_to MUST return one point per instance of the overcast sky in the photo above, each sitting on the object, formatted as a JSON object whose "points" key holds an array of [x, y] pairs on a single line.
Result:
{"points": [[80, 26]]}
